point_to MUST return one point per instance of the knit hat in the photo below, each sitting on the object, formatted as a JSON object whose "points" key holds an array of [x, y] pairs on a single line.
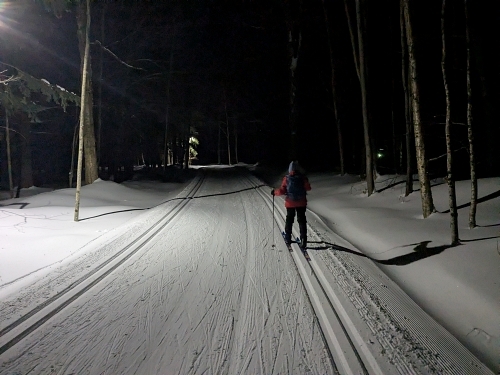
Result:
{"points": [[294, 166]]}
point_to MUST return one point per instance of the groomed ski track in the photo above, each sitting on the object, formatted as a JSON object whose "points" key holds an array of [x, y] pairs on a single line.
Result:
{"points": [[228, 298]]}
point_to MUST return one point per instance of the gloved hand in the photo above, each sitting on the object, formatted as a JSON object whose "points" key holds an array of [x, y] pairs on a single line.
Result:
{"points": [[272, 192]]}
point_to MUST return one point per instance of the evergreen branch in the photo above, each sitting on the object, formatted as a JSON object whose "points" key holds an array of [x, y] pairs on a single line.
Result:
{"points": [[26, 84], [7, 80]]}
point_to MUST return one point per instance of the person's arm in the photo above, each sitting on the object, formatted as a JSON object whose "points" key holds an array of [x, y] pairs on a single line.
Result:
{"points": [[282, 189]]}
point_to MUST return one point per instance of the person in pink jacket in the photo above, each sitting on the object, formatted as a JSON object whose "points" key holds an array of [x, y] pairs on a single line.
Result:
{"points": [[294, 186]]}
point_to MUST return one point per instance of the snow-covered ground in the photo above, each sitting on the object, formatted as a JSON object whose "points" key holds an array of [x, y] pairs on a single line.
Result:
{"points": [[457, 286]]}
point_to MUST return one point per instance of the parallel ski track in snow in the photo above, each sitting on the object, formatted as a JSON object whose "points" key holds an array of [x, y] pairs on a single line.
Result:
{"points": [[397, 323], [346, 356], [35, 318]]}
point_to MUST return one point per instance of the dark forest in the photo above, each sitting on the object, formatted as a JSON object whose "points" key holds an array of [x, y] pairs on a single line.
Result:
{"points": [[244, 81]]}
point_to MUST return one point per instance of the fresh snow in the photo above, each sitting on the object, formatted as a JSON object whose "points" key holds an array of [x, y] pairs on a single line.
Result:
{"points": [[216, 291]]}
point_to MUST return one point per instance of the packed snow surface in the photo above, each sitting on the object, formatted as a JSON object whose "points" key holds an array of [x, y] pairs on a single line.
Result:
{"points": [[211, 288]]}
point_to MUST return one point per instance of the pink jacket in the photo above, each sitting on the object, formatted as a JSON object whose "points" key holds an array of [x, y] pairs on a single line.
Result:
{"points": [[288, 202]]}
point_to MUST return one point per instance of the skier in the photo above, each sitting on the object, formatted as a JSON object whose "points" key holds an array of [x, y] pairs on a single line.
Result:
{"points": [[294, 186]]}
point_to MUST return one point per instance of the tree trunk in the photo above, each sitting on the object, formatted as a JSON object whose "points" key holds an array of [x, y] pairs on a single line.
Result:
{"points": [[228, 138], [487, 101], [236, 160], [353, 39], [26, 173], [334, 93], [91, 167], [449, 150], [99, 87], [9, 159], [218, 145], [83, 109], [404, 74], [294, 44], [174, 149], [470, 133], [363, 74], [394, 126], [425, 186], [73, 148], [165, 146], [186, 151]]}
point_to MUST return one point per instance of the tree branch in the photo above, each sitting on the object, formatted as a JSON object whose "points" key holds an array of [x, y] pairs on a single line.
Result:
{"points": [[116, 57], [442, 156]]}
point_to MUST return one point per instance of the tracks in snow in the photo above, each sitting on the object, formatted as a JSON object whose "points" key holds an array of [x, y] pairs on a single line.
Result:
{"points": [[408, 340], [342, 294], [17, 330]]}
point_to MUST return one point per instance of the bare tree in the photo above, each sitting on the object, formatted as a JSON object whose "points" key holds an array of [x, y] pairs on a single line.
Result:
{"points": [[235, 131], [91, 167], [404, 76], [353, 39], [25, 175], [363, 80], [425, 186], [219, 143], [167, 109], [9, 159], [449, 150], [470, 133], [99, 81], [361, 65], [334, 92], [58, 7], [83, 110], [228, 137]]}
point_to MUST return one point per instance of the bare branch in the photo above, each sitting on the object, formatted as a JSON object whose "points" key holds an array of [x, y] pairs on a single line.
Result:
{"points": [[444, 155], [116, 57]]}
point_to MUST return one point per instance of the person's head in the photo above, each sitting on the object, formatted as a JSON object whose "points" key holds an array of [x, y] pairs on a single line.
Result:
{"points": [[294, 167]]}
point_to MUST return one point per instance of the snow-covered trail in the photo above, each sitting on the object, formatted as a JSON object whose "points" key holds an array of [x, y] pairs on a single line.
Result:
{"points": [[207, 295]]}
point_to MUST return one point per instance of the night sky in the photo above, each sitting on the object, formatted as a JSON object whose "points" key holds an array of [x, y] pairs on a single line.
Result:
{"points": [[232, 56]]}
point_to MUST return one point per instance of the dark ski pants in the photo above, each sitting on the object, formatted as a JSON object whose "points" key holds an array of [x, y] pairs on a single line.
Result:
{"points": [[301, 219]]}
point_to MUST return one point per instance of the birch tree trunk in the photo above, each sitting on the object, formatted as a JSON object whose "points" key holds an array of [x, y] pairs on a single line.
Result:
{"points": [[334, 93], [404, 76], [83, 23], [363, 75], [470, 133], [83, 111], [73, 149], [425, 186], [452, 198]]}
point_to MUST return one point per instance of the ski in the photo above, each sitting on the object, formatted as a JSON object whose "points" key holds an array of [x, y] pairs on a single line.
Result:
{"points": [[289, 245], [297, 241], [303, 249]]}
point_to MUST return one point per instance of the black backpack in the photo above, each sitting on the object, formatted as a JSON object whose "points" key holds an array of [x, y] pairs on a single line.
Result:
{"points": [[295, 187]]}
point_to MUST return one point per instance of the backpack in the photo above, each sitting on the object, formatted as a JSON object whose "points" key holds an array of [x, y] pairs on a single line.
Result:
{"points": [[295, 187]]}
